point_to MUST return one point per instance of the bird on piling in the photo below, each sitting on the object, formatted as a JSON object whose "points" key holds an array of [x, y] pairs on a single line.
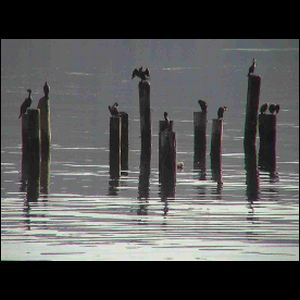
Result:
{"points": [[27, 102], [143, 75], [221, 112], [263, 108], [252, 67], [46, 89], [114, 109], [203, 105], [167, 121], [274, 108]]}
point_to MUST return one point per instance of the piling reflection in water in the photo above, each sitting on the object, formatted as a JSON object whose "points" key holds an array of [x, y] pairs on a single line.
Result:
{"points": [[45, 176], [113, 183], [252, 173]]}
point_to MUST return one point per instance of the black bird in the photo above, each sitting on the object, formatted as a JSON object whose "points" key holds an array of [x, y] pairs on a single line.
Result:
{"points": [[272, 108], [252, 67], [277, 108], [203, 105], [167, 121], [114, 109], [46, 89], [143, 75], [263, 108], [221, 112], [27, 102]]}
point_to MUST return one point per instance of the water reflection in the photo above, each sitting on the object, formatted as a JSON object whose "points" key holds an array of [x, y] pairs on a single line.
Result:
{"points": [[113, 183], [252, 174]]}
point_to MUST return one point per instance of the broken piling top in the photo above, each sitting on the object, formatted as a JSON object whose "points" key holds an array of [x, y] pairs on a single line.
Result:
{"points": [[253, 93]]}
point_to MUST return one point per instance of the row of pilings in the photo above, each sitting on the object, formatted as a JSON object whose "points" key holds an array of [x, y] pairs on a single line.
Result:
{"points": [[36, 142], [167, 143]]}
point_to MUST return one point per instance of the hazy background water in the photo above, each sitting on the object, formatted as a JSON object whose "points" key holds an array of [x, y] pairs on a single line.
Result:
{"points": [[85, 216]]}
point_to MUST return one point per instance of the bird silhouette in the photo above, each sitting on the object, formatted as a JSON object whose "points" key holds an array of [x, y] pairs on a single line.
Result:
{"points": [[252, 67], [272, 108], [263, 108], [203, 105], [27, 102], [167, 121], [277, 108], [46, 89], [114, 109], [143, 75], [221, 112]]}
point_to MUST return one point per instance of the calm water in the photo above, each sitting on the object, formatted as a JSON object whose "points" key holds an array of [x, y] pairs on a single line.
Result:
{"points": [[85, 216]]}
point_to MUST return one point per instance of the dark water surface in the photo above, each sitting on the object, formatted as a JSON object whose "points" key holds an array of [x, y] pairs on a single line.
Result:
{"points": [[86, 216]]}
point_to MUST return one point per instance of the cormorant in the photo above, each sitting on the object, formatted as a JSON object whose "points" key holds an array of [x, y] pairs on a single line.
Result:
{"points": [[252, 67], [46, 89], [114, 109], [143, 75], [263, 108], [272, 108], [221, 112], [27, 102], [277, 108], [203, 105], [167, 121]]}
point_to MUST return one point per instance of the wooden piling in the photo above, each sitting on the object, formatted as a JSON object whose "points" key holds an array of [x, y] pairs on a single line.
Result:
{"points": [[124, 140], [115, 147], [145, 116], [45, 176], [25, 151], [167, 157], [143, 187], [33, 184], [45, 127], [253, 93], [216, 149], [162, 126], [267, 142], [200, 121]]}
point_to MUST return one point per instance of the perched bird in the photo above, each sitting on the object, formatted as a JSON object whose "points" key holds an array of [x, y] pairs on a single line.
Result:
{"points": [[263, 108], [46, 89], [167, 121], [252, 67], [114, 109], [272, 108], [143, 75], [27, 102], [221, 112], [277, 108], [180, 165], [203, 105]]}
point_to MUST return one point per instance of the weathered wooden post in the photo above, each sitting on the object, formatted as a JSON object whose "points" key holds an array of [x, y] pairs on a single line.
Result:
{"points": [[145, 116], [253, 93], [33, 184], [124, 140], [167, 157], [45, 127], [216, 150], [45, 176], [267, 142], [252, 175], [200, 121], [143, 187], [115, 146], [162, 126], [25, 148]]}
